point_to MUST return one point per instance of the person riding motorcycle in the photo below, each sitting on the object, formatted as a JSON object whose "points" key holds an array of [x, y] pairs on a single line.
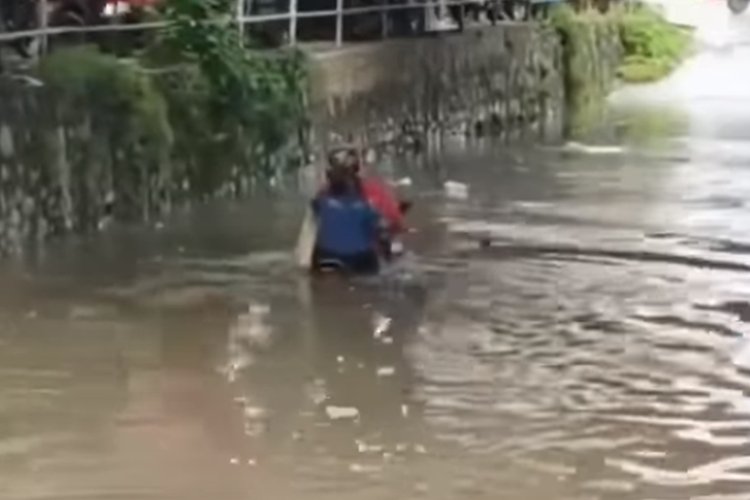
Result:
{"points": [[348, 225], [378, 193]]}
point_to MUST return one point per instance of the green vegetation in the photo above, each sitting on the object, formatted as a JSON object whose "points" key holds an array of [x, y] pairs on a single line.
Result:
{"points": [[591, 52], [631, 43], [650, 47], [197, 109]]}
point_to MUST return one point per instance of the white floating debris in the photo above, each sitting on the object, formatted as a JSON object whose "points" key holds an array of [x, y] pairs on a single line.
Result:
{"points": [[356, 468], [359, 468], [254, 412], [339, 412], [420, 449], [382, 324], [252, 462], [363, 447], [340, 359], [387, 340], [456, 190], [741, 354], [397, 247], [234, 461], [593, 149], [405, 410], [403, 182], [385, 371]]}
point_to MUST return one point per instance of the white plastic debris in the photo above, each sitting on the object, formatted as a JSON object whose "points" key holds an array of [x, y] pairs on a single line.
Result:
{"points": [[593, 149], [456, 190], [360, 468], [403, 182], [363, 447], [381, 325], [404, 410], [339, 412], [254, 412], [385, 371]]}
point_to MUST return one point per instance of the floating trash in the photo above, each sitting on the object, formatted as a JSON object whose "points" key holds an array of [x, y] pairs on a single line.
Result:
{"points": [[339, 412], [385, 371], [456, 190], [593, 149]]}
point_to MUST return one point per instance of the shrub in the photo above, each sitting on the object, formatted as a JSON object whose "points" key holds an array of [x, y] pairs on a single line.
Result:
{"points": [[115, 90], [196, 114], [652, 46], [246, 104]]}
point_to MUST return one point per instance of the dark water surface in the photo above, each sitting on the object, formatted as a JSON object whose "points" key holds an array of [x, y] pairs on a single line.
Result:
{"points": [[593, 351]]}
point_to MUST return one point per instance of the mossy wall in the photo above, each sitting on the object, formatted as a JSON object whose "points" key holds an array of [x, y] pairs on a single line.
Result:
{"points": [[629, 43], [494, 81], [103, 139], [88, 138], [592, 54]]}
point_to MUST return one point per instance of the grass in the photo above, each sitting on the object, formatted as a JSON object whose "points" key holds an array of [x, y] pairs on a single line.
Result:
{"points": [[652, 47]]}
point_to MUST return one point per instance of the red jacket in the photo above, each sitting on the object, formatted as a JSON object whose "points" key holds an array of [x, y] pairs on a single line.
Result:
{"points": [[381, 196]]}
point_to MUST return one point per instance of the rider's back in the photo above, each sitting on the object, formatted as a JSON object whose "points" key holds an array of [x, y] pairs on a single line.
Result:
{"points": [[347, 224]]}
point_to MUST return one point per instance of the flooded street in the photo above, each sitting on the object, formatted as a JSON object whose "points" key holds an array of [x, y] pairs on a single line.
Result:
{"points": [[574, 329]]}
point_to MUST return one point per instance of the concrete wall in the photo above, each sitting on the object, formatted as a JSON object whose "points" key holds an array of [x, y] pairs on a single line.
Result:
{"points": [[69, 165], [506, 80]]}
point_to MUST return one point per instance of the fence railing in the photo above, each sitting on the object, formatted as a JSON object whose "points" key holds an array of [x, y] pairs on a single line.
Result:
{"points": [[241, 20]]}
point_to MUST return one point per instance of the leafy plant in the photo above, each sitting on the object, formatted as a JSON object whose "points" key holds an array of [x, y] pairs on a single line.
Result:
{"points": [[82, 75], [653, 47], [650, 46], [264, 92]]}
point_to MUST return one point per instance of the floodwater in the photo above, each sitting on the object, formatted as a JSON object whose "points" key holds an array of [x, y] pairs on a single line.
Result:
{"points": [[593, 350]]}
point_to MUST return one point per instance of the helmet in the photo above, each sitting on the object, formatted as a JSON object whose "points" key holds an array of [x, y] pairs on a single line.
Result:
{"points": [[345, 156]]}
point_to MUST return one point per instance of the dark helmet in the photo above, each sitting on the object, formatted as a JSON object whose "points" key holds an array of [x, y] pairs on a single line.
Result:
{"points": [[345, 156]]}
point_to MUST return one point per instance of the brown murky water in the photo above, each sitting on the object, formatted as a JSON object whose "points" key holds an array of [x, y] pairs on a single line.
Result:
{"points": [[593, 351]]}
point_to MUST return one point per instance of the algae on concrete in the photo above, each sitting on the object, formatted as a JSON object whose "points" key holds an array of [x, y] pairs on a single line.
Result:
{"points": [[630, 44], [592, 51], [104, 138]]}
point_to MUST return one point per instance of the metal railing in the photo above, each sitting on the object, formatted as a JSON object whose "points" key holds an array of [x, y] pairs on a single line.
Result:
{"points": [[241, 19]]}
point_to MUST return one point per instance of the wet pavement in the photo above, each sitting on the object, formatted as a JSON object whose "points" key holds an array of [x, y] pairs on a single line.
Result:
{"points": [[572, 330]]}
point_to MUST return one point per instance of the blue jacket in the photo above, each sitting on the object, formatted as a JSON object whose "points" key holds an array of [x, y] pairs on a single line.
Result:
{"points": [[347, 225]]}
